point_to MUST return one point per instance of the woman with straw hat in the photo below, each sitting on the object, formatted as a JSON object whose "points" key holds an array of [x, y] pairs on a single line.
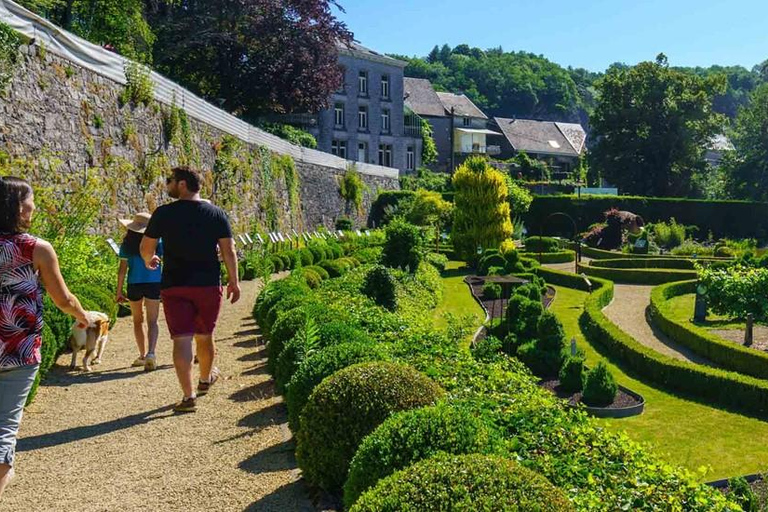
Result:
{"points": [[143, 292]]}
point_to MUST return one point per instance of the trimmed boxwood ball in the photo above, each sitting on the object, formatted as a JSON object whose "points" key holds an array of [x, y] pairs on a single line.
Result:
{"points": [[464, 483], [380, 286], [322, 364], [306, 257], [600, 386], [318, 253], [277, 263], [572, 374], [288, 263], [491, 260], [349, 405], [334, 268], [410, 436], [285, 328], [541, 244], [319, 271]]}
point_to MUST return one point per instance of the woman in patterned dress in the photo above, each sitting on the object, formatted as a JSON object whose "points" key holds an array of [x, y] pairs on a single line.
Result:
{"points": [[25, 262]]}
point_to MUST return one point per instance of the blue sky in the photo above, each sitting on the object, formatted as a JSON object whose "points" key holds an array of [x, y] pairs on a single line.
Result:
{"points": [[582, 33]]}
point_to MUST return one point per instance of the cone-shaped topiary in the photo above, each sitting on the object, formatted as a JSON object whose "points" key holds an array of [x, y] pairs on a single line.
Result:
{"points": [[464, 483], [572, 374], [349, 405], [599, 387], [409, 437]]}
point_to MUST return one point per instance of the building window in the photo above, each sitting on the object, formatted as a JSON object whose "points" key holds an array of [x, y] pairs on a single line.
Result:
{"points": [[410, 160], [467, 121], [339, 148], [362, 152], [385, 86], [342, 87], [385, 124], [385, 155], [362, 118], [338, 115], [362, 83]]}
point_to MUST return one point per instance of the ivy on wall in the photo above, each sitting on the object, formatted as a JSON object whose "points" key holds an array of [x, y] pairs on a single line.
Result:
{"points": [[9, 54], [351, 188]]}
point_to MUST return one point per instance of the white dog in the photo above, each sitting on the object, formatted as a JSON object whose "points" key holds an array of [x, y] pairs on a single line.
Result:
{"points": [[92, 338]]}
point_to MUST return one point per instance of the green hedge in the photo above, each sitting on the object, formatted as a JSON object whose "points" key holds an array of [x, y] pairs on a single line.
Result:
{"points": [[729, 355], [551, 257], [716, 387], [386, 199], [637, 276], [674, 263], [601, 254], [723, 218]]}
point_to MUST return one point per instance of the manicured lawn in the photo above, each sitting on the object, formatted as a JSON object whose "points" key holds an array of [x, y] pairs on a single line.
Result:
{"points": [[684, 432], [456, 298], [682, 311]]}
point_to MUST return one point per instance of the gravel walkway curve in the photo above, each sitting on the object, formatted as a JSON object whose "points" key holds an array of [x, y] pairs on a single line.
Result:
{"points": [[628, 311], [108, 440]]}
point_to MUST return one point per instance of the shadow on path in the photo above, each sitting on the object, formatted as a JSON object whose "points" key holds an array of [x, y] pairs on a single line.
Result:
{"points": [[277, 457], [276, 500], [64, 376], [258, 391], [89, 431]]}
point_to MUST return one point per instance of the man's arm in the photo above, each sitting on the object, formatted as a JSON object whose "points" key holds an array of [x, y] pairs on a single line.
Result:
{"points": [[147, 249], [229, 255]]}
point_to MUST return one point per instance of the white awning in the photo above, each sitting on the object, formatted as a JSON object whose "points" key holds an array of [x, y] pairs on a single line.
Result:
{"points": [[478, 131]]}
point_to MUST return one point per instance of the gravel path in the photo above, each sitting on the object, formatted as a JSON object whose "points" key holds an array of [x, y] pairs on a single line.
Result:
{"points": [[628, 312], [108, 440]]}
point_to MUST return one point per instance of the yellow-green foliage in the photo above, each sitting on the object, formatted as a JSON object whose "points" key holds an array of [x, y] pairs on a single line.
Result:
{"points": [[351, 188], [481, 212]]}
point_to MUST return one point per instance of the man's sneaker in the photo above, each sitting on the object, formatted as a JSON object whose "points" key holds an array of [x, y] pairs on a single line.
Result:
{"points": [[186, 405], [139, 362], [204, 387], [150, 363]]}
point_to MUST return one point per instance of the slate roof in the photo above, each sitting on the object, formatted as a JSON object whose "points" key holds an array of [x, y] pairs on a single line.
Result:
{"points": [[462, 105], [421, 97], [543, 137], [355, 49]]}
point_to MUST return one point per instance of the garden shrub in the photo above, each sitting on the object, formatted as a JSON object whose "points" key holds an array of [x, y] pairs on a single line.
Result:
{"points": [[668, 235], [496, 271], [344, 224], [289, 259], [349, 405], [550, 332], [277, 263], [572, 374], [335, 268], [690, 248], [737, 291], [305, 342], [599, 386], [320, 271], [741, 492], [402, 248], [410, 436], [541, 244], [552, 257], [543, 363], [369, 254], [287, 325], [674, 263], [723, 251], [492, 290], [306, 257], [464, 482], [380, 286], [336, 249], [437, 260], [324, 363], [514, 264], [488, 261], [318, 253], [488, 348], [522, 316], [529, 290]]}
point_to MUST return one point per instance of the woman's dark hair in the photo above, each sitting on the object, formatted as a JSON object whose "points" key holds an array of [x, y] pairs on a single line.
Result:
{"points": [[132, 242], [13, 192]]}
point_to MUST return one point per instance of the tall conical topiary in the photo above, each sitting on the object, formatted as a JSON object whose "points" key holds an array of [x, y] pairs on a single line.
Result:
{"points": [[482, 214]]}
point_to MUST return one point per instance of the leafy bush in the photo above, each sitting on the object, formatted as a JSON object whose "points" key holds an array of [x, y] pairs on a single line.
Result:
{"points": [[487, 349], [740, 490], [344, 224], [402, 248], [318, 253], [572, 374], [334, 268], [689, 248], [550, 332], [522, 316], [380, 286], [669, 235], [492, 290], [278, 263], [305, 342], [465, 482], [285, 328], [369, 255], [490, 260], [306, 257], [410, 436], [737, 291], [599, 386], [437, 260], [349, 405], [541, 244]]}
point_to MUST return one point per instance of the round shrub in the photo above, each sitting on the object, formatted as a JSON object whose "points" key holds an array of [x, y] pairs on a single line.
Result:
{"points": [[723, 251], [402, 246], [523, 316], [288, 362], [492, 290], [336, 249], [276, 291], [306, 257], [599, 387], [541, 244], [464, 482], [320, 271], [437, 260], [486, 349], [349, 405], [380, 286], [572, 374], [344, 224], [490, 260], [318, 253], [334, 332], [410, 436], [277, 263], [550, 332], [293, 258], [322, 364], [334, 268], [285, 304], [288, 263], [543, 363], [529, 290], [285, 328], [312, 278]]}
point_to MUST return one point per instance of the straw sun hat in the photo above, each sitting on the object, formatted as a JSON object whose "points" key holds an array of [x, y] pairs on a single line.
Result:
{"points": [[138, 224]]}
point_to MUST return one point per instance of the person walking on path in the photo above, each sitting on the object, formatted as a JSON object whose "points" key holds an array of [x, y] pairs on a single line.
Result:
{"points": [[25, 261], [143, 291], [192, 230]]}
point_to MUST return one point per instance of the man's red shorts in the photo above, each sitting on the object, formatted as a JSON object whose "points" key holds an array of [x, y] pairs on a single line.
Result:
{"points": [[191, 309]]}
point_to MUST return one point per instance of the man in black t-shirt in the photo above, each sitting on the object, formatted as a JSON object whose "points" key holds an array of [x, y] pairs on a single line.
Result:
{"points": [[192, 230]]}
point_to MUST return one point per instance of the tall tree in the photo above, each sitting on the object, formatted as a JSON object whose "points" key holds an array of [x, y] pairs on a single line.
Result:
{"points": [[653, 124], [252, 56], [746, 170], [481, 216]]}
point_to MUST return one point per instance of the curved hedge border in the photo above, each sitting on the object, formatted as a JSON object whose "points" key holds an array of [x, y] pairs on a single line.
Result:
{"points": [[636, 275], [718, 387], [644, 263], [601, 254], [729, 355], [551, 257]]}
